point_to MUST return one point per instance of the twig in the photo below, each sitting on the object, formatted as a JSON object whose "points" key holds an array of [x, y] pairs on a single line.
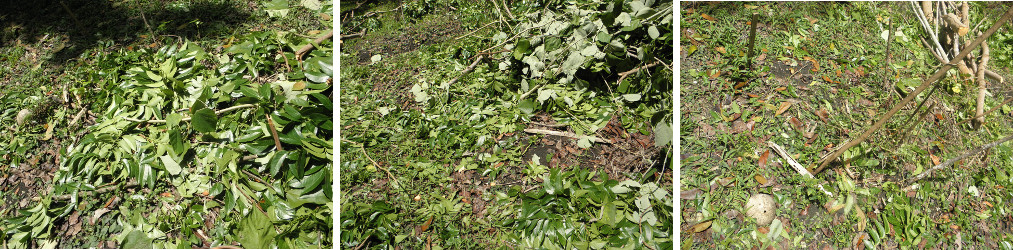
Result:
{"points": [[981, 86], [363, 242], [958, 158], [361, 33], [889, 40], [507, 9], [188, 118], [306, 48], [935, 77], [86, 193], [500, 14], [274, 132], [563, 134], [467, 70], [623, 75], [258, 179], [473, 31], [77, 117], [989, 111], [798, 167], [254, 202], [363, 147]]}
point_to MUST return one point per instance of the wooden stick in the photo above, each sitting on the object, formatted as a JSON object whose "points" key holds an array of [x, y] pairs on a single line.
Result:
{"points": [[188, 118], [563, 134], [473, 31], [274, 132], [988, 112], [958, 158], [798, 167], [935, 77], [889, 40], [752, 40], [623, 75], [979, 111], [306, 48], [467, 70], [363, 147]]}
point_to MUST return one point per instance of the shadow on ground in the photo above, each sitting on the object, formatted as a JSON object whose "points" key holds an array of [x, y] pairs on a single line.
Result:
{"points": [[84, 22]]}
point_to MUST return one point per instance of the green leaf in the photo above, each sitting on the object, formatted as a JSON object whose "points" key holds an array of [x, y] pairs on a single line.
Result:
{"points": [[527, 106], [631, 97], [255, 231], [523, 47], [205, 120], [662, 134], [276, 8], [584, 142], [311, 4], [653, 32], [170, 165], [137, 239], [604, 37], [277, 161], [172, 120]]}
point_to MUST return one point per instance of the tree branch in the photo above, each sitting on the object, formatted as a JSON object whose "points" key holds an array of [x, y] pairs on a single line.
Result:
{"points": [[935, 77]]}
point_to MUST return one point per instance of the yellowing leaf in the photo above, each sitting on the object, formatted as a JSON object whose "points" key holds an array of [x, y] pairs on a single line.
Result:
{"points": [[760, 179], [721, 49], [701, 226], [708, 17]]}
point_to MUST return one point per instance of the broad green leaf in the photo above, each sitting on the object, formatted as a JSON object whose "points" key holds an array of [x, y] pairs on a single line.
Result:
{"points": [[277, 161], [255, 231], [584, 142], [311, 4], [604, 37], [205, 120], [527, 106], [653, 32], [631, 97], [172, 120], [276, 8], [662, 134], [136, 239], [522, 48], [170, 165]]}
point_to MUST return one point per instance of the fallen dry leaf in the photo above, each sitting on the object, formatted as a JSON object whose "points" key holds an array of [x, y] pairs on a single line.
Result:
{"points": [[740, 85], [760, 179], [824, 115], [691, 194], [763, 158], [721, 49], [763, 230], [701, 226], [733, 117], [784, 107], [708, 17], [825, 78], [780, 88], [715, 73], [935, 159], [796, 123], [761, 57]]}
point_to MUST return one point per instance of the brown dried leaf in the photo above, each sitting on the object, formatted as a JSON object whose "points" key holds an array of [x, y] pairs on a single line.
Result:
{"points": [[708, 17], [691, 194], [721, 49], [763, 230], [760, 179], [761, 57], [825, 78], [824, 115], [763, 158], [796, 123], [935, 159], [784, 107]]}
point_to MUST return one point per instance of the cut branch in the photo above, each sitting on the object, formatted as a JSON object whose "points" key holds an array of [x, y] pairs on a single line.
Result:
{"points": [[798, 167], [981, 87], [363, 147], [188, 118], [958, 158], [988, 112], [563, 134], [467, 70], [306, 48], [935, 77]]}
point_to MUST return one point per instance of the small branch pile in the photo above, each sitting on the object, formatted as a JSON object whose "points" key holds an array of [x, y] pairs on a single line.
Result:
{"points": [[946, 44]]}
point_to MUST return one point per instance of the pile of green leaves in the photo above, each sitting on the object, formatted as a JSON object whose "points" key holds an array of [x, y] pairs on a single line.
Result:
{"points": [[567, 59], [200, 127], [571, 211]]}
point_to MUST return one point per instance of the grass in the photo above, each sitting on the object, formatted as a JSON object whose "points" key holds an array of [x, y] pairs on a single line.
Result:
{"points": [[825, 63]]}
